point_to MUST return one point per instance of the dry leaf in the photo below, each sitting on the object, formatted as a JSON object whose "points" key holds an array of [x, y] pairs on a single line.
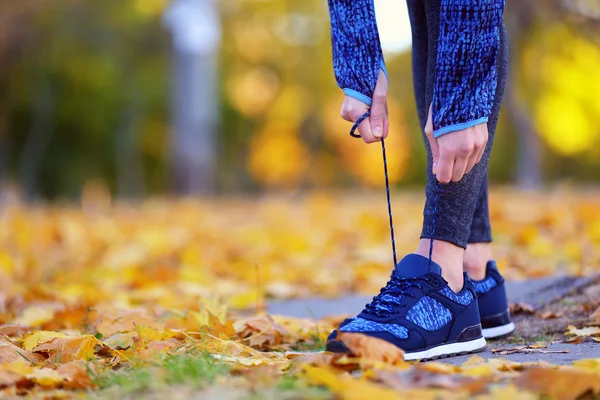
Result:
{"points": [[589, 331], [10, 353], [14, 330], [595, 317], [75, 375], [65, 349], [370, 348], [521, 308], [559, 384], [526, 350], [260, 332], [549, 314]]}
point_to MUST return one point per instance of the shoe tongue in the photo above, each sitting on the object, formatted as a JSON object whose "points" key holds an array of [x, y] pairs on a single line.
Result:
{"points": [[414, 265]]}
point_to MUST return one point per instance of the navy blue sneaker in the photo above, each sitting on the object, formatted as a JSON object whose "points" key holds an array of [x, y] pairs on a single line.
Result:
{"points": [[493, 306], [419, 313]]}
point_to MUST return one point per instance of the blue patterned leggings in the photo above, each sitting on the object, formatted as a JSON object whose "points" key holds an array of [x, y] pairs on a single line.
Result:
{"points": [[461, 209]]}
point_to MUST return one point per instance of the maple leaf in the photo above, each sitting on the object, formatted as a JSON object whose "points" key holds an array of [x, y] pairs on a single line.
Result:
{"points": [[67, 348], [260, 332]]}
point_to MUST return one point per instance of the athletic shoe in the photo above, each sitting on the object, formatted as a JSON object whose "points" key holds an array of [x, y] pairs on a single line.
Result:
{"points": [[419, 313], [493, 306]]}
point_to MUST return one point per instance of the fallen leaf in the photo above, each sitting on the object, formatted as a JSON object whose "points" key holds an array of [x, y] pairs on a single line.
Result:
{"points": [[549, 315], [260, 332], [10, 353], [423, 378], [559, 383], [46, 377], [521, 308], [346, 387], [126, 322], [474, 360], [75, 374], [370, 348], [595, 317], [320, 359], [39, 337], [589, 364], [14, 330], [69, 348], [120, 340], [589, 331], [35, 315]]}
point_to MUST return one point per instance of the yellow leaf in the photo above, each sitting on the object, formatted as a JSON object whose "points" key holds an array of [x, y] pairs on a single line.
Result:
{"points": [[589, 331], [46, 377], [559, 383], [212, 306], [68, 348], [589, 364], [348, 388], [35, 316], [38, 337], [20, 367]]}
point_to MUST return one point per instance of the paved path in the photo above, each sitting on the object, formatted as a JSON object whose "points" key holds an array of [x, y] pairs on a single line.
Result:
{"points": [[536, 293]]}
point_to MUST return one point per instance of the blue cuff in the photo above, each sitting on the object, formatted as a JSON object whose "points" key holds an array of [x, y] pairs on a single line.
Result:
{"points": [[384, 69], [358, 96], [459, 127]]}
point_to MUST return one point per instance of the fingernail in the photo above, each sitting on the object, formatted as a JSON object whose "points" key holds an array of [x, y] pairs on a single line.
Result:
{"points": [[377, 131]]}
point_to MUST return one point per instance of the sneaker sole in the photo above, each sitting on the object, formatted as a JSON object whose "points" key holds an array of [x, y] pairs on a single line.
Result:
{"points": [[498, 331], [448, 350]]}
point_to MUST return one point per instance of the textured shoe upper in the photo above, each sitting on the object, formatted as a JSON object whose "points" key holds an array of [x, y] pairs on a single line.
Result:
{"points": [[491, 293], [416, 299]]}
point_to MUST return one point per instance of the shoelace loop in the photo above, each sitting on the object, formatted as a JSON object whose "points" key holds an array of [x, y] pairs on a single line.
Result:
{"points": [[396, 288]]}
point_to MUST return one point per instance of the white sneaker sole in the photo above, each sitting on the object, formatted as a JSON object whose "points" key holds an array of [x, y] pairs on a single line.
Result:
{"points": [[447, 350], [498, 331]]}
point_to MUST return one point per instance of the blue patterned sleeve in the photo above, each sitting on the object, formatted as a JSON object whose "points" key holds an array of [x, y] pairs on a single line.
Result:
{"points": [[468, 48], [357, 55]]}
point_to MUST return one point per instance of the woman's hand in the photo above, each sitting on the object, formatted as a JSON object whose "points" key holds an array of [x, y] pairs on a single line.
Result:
{"points": [[376, 126], [456, 153]]}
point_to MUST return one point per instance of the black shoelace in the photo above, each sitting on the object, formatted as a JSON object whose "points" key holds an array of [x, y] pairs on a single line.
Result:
{"points": [[387, 190], [387, 303], [396, 287]]}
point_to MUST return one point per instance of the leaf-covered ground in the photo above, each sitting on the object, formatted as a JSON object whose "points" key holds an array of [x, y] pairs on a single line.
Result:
{"points": [[165, 298]]}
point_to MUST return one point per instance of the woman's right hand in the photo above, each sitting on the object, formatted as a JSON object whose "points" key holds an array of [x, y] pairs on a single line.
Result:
{"points": [[376, 127]]}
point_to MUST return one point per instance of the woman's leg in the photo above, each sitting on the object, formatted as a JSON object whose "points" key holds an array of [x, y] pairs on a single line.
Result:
{"points": [[450, 208], [479, 248]]}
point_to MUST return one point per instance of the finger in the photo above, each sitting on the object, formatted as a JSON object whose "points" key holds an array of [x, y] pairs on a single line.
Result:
{"points": [[459, 168], [386, 128], [471, 161], [378, 114], [444, 167], [481, 152], [433, 143], [364, 129]]}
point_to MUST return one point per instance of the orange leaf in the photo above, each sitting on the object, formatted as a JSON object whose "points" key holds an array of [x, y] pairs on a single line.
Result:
{"points": [[260, 332], [75, 374], [371, 348], [10, 352], [558, 383]]}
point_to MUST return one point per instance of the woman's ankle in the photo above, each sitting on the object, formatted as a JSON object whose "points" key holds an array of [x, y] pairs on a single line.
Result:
{"points": [[476, 258], [450, 258]]}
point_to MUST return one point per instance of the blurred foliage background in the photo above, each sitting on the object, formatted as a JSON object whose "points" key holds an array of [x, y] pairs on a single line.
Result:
{"points": [[86, 96]]}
